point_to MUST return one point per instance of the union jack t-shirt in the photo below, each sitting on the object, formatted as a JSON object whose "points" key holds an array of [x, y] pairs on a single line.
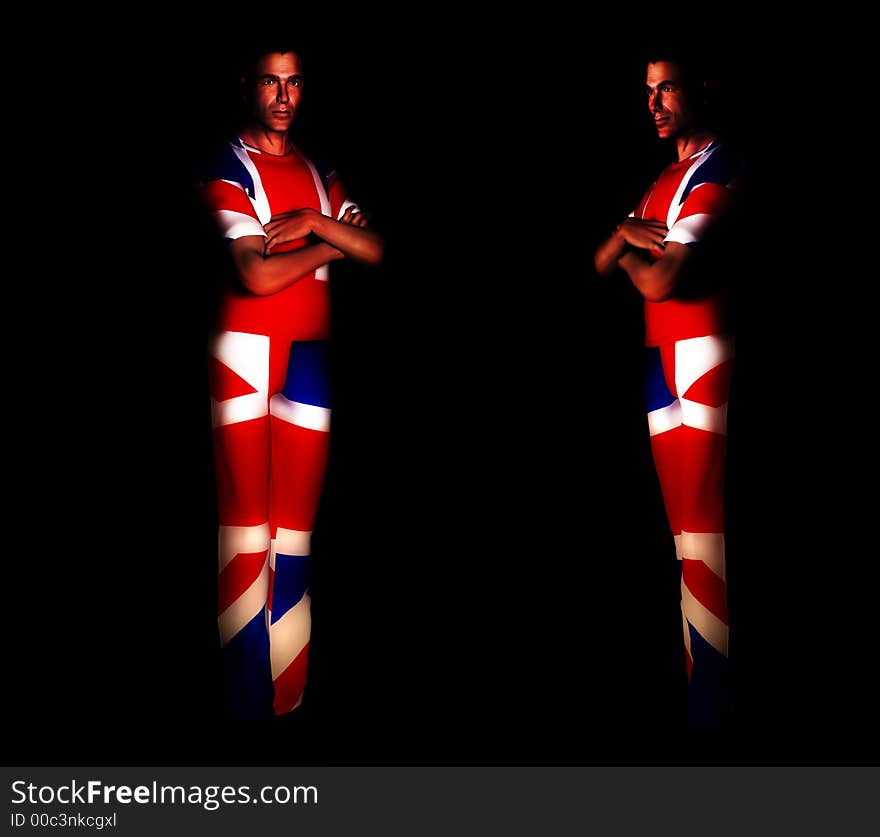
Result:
{"points": [[244, 188], [690, 196]]}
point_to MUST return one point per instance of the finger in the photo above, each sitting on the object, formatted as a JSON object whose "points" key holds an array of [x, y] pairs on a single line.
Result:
{"points": [[346, 216]]}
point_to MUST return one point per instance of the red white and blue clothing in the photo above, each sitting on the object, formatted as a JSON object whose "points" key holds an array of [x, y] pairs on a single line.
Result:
{"points": [[270, 393], [690, 362], [689, 197]]}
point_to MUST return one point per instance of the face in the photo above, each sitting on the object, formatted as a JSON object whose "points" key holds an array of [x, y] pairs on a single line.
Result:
{"points": [[667, 100], [276, 90]]}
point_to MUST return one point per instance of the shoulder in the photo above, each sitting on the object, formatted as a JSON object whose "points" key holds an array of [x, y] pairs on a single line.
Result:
{"points": [[326, 171], [324, 168], [226, 161], [722, 163]]}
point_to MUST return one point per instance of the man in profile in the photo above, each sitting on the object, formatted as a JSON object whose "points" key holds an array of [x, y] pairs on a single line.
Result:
{"points": [[284, 221], [665, 247]]}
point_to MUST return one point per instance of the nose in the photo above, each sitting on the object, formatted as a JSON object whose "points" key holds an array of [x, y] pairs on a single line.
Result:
{"points": [[282, 96], [655, 101]]}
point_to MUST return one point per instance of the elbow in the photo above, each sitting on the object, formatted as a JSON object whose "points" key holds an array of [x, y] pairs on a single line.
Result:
{"points": [[659, 291], [373, 255], [660, 282], [252, 281], [256, 290], [378, 254], [252, 274], [603, 265], [602, 268]]}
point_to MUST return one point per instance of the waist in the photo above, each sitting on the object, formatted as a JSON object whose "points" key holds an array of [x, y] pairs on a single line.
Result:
{"points": [[680, 319]]}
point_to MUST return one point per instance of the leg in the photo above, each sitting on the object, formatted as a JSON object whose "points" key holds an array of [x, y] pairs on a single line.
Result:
{"points": [[300, 425], [664, 426], [239, 373], [702, 370]]}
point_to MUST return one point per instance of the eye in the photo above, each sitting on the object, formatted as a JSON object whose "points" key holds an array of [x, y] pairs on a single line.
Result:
{"points": [[667, 88], [268, 81], [295, 82]]}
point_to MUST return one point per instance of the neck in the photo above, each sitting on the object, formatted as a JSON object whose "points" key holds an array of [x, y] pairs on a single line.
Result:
{"points": [[271, 142], [691, 142]]}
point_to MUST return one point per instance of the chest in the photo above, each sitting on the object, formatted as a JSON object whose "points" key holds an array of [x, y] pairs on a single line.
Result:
{"points": [[289, 184], [664, 199]]}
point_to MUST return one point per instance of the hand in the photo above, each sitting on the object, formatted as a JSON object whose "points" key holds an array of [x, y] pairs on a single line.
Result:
{"points": [[289, 226], [643, 235], [355, 217]]}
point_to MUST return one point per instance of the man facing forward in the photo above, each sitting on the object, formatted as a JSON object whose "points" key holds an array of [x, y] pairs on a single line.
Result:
{"points": [[284, 221]]}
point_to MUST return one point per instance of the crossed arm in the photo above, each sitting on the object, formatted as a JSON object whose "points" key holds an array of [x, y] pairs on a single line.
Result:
{"points": [[626, 248], [263, 272]]}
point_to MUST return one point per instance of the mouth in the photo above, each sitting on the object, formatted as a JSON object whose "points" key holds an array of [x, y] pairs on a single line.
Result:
{"points": [[281, 114]]}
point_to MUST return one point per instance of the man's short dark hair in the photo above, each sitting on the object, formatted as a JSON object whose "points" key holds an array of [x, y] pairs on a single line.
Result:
{"points": [[694, 61], [255, 51]]}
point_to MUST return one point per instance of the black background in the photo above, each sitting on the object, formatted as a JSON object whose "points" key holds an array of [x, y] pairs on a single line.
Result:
{"points": [[493, 578]]}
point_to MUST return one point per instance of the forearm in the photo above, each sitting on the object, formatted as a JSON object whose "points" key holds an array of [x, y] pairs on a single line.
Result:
{"points": [[608, 254], [655, 281], [358, 243], [267, 274]]}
